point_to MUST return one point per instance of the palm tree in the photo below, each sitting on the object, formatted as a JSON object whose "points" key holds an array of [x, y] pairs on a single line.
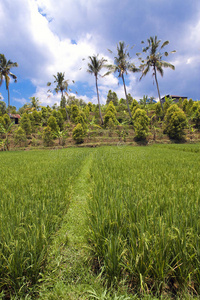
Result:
{"points": [[5, 73], [154, 60], [94, 67], [62, 86], [122, 65]]}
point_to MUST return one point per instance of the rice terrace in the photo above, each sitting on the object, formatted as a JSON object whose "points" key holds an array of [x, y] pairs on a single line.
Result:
{"points": [[103, 223]]}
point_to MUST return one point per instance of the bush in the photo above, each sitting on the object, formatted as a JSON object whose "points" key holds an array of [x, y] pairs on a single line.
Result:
{"points": [[74, 112], [25, 124], [48, 136], [52, 123], [175, 122], [6, 121], [81, 118], [109, 118], [78, 134], [196, 117], [141, 124], [20, 136], [59, 118]]}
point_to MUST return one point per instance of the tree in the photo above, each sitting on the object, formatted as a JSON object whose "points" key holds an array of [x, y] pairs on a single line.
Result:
{"points": [[141, 123], [5, 130], [112, 96], [78, 133], [175, 122], [35, 103], [154, 60], [62, 86], [94, 67], [122, 65], [5, 74]]}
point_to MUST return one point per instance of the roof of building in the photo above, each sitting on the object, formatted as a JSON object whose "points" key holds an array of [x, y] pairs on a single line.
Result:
{"points": [[15, 116]]}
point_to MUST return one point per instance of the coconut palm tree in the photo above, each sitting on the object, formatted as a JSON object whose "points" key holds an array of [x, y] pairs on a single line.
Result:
{"points": [[122, 65], [154, 60], [94, 67], [5, 74], [61, 86]]}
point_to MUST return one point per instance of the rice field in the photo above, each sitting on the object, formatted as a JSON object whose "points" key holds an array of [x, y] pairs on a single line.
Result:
{"points": [[34, 196], [143, 215]]}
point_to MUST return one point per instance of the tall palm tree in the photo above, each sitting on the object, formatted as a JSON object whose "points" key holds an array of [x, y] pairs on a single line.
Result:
{"points": [[154, 60], [5, 73], [94, 67], [122, 65], [62, 86]]}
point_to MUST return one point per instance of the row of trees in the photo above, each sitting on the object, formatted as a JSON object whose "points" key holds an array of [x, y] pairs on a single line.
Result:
{"points": [[122, 65]]}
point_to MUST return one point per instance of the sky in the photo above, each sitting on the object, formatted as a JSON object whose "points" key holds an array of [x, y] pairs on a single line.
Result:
{"points": [[49, 36]]}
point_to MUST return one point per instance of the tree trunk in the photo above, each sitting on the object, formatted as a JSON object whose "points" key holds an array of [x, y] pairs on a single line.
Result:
{"points": [[129, 111], [98, 101], [157, 86], [8, 99]]}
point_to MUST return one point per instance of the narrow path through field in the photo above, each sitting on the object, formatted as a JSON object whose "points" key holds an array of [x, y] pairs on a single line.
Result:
{"points": [[68, 272]]}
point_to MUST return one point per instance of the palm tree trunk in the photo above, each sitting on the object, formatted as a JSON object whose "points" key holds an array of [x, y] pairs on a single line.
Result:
{"points": [[157, 86], [98, 101], [65, 108], [8, 99], [129, 111]]}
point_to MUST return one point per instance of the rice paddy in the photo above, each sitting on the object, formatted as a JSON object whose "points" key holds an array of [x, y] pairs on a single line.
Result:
{"points": [[142, 222]]}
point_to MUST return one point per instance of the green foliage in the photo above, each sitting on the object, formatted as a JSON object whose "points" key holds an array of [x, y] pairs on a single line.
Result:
{"points": [[158, 111], [78, 133], [196, 116], [36, 118], [2, 108], [134, 104], [81, 118], [110, 116], [109, 119], [52, 123], [143, 218], [59, 118], [25, 124], [175, 122], [48, 136], [90, 105], [184, 105], [6, 121], [112, 96], [20, 136], [63, 102], [46, 112], [111, 108], [74, 112], [140, 123]]}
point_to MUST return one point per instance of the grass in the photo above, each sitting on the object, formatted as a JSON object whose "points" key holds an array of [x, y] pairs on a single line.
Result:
{"points": [[105, 223]]}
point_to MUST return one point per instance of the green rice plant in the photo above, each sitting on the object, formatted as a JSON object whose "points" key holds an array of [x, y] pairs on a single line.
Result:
{"points": [[35, 195], [143, 219]]}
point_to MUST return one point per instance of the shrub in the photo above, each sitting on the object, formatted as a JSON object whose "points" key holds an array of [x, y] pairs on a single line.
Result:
{"points": [[59, 118], [25, 124], [81, 118], [20, 136], [74, 112], [196, 117], [78, 134], [48, 136], [6, 121], [158, 111], [175, 122], [141, 123], [109, 118], [134, 104], [52, 123]]}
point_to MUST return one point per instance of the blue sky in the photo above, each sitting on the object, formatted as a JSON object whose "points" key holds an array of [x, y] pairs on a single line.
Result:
{"points": [[48, 36]]}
